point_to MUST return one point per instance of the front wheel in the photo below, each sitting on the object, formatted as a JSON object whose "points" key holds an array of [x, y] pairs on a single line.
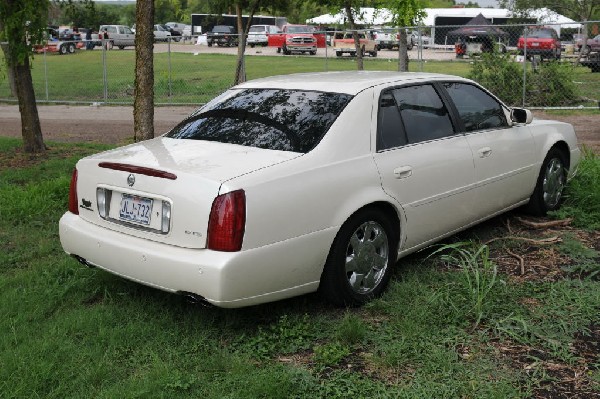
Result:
{"points": [[548, 192], [359, 264], [63, 49]]}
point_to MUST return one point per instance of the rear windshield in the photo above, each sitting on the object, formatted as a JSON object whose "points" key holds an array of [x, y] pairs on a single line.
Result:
{"points": [[541, 34], [284, 120], [257, 29], [299, 29]]}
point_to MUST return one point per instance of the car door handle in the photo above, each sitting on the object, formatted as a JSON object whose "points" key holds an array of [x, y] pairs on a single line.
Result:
{"points": [[403, 172], [484, 152]]}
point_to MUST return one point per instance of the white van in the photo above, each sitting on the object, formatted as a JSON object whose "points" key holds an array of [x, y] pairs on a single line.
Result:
{"points": [[258, 34], [118, 35]]}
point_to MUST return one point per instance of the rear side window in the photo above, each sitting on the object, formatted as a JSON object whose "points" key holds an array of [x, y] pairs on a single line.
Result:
{"points": [[476, 108], [284, 120], [410, 115]]}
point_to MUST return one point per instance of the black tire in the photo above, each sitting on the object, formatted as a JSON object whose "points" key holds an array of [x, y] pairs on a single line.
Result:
{"points": [[286, 51], [359, 265], [374, 53], [252, 45], [547, 195], [313, 53], [338, 53], [210, 44], [71, 48], [62, 50], [121, 47]]}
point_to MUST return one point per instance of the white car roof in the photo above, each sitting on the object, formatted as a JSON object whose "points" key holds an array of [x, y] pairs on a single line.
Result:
{"points": [[348, 82]]}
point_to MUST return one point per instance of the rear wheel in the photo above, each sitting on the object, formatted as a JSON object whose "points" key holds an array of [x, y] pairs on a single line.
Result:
{"points": [[71, 48], [338, 53], [551, 182], [359, 264], [313, 53], [63, 49], [121, 47]]}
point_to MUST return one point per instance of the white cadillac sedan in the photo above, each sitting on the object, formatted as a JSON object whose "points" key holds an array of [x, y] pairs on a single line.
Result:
{"points": [[293, 184]]}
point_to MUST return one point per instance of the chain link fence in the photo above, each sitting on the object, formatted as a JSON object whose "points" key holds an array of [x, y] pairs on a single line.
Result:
{"points": [[524, 64]]}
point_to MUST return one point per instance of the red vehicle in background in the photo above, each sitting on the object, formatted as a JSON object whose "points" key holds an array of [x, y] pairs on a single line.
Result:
{"points": [[540, 41], [297, 38]]}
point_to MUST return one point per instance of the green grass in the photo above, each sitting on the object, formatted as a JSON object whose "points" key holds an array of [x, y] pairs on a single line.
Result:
{"points": [[70, 331], [198, 78]]}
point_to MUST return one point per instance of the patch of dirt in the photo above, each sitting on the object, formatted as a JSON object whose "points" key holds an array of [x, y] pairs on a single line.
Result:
{"points": [[587, 127]]}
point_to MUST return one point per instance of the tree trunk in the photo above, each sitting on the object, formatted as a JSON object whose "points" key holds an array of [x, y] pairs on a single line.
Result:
{"points": [[30, 120], [143, 105], [357, 46], [402, 51], [240, 70]]}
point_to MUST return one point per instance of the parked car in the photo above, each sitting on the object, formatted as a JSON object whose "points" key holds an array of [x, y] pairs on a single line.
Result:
{"points": [[540, 41], [591, 45], [343, 42], [119, 35], [222, 35], [175, 35], [161, 34], [388, 39], [318, 181], [176, 26], [421, 39], [259, 34], [297, 38]]}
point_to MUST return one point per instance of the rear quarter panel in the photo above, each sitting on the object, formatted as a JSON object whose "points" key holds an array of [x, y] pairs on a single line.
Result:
{"points": [[548, 133]]}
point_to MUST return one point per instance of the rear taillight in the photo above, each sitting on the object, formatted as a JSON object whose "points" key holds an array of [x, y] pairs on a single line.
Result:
{"points": [[73, 200], [227, 222]]}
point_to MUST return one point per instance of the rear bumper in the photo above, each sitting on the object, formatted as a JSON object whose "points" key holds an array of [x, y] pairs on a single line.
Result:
{"points": [[226, 279]]}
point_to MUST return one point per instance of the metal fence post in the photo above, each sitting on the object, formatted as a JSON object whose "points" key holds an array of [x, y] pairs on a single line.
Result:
{"points": [[524, 65], [104, 72], [169, 58], [46, 76]]}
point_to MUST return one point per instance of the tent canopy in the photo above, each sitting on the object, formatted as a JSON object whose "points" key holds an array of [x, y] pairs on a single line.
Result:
{"points": [[477, 27]]}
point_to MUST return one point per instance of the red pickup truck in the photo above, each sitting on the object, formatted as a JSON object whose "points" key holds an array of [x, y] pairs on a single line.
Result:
{"points": [[297, 38]]}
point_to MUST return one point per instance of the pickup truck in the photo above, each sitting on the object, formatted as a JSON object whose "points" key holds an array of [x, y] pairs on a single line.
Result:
{"points": [[343, 42], [297, 38]]}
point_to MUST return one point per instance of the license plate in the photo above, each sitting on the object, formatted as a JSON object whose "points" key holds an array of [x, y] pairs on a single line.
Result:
{"points": [[135, 209], [535, 44]]}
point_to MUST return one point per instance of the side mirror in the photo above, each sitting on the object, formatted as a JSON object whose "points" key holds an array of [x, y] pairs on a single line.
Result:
{"points": [[521, 115]]}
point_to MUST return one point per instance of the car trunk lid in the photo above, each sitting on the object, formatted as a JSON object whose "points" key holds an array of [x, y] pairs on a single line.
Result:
{"points": [[163, 189]]}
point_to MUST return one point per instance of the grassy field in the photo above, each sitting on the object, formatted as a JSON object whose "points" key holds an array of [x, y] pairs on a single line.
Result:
{"points": [[198, 78], [461, 323]]}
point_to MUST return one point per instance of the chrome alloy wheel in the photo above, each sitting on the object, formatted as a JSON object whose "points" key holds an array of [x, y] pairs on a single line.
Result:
{"points": [[367, 257], [554, 183]]}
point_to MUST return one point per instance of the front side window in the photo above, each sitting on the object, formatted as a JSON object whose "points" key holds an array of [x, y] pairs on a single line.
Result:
{"points": [[276, 119], [477, 109], [410, 115]]}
